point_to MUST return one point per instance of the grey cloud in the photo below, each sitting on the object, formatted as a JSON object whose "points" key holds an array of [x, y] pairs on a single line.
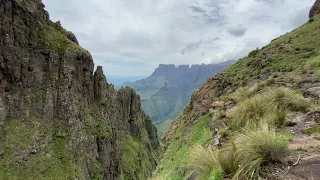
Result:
{"points": [[298, 17], [237, 30], [197, 9], [191, 47], [148, 32], [272, 1]]}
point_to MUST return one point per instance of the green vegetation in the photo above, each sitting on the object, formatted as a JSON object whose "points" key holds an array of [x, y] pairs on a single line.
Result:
{"points": [[284, 56], [256, 148], [51, 38], [314, 65], [163, 127], [135, 159], [174, 164], [244, 158], [270, 106], [204, 158], [315, 129], [54, 161]]}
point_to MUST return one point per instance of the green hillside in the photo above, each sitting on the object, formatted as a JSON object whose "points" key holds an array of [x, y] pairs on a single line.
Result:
{"points": [[249, 121]]}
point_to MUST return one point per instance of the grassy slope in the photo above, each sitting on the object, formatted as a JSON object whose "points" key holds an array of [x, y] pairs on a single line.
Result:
{"points": [[288, 57]]}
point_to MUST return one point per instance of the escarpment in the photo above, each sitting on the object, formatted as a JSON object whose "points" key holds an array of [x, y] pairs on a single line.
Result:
{"points": [[58, 118]]}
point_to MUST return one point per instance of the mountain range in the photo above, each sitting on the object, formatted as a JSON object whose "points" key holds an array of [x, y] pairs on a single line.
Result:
{"points": [[167, 91]]}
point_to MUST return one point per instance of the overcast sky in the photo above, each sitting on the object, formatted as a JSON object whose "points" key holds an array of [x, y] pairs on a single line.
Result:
{"points": [[131, 37]]}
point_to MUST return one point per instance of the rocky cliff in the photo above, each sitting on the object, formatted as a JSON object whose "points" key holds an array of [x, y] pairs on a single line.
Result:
{"points": [[58, 118]]}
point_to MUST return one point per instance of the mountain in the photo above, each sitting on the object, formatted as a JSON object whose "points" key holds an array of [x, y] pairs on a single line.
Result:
{"points": [[58, 118], [258, 119], [168, 90]]}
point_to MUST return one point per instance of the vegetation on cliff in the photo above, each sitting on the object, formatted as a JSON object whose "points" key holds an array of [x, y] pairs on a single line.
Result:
{"points": [[58, 118]]}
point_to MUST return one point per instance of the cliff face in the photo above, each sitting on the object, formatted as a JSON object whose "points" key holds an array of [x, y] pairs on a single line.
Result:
{"points": [[58, 119]]}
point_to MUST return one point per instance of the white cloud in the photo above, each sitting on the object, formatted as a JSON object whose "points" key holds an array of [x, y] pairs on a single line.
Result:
{"points": [[131, 37]]}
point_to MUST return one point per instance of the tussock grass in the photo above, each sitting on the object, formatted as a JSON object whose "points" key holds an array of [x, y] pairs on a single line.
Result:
{"points": [[284, 98], [247, 112], [206, 159], [257, 148], [244, 157], [244, 93], [271, 106]]}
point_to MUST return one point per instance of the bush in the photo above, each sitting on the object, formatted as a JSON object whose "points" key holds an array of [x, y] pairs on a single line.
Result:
{"points": [[259, 147]]}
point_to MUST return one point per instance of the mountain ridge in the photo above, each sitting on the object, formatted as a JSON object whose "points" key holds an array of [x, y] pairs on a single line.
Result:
{"points": [[166, 92]]}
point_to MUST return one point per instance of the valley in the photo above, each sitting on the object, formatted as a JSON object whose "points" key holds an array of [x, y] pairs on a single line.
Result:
{"points": [[254, 118]]}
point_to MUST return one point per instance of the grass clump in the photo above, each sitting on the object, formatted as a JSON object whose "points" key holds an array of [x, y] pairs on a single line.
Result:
{"points": [[257, 148], [244, 158], [204, 158], [284, 98], [248, 112], [244, 93], [270, 106]]}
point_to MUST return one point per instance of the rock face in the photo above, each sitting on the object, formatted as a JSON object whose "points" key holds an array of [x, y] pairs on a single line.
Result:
{"points": [[315, 9], [58, 119], [168, 90]]}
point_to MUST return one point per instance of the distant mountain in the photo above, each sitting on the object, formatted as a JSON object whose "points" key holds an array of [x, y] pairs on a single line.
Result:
{"points": [[167, 91]]}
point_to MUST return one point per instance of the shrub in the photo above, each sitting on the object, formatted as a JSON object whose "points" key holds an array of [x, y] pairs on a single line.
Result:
{"points": [[256, 148]]}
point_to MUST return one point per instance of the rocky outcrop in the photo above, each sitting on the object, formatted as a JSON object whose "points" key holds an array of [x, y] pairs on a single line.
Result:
{"points": [[315, 9], [58, 119]]}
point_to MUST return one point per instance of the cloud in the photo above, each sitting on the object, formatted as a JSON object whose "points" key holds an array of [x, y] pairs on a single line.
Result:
{"points": [[197, 9], [131, 37], [272, 1], [237, 30], [191, 47]]}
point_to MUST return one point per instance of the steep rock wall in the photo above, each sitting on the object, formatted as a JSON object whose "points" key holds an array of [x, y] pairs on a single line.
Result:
{"points": [[58, 119]]}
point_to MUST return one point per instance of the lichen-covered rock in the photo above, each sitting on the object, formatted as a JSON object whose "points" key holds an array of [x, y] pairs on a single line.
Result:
{"points": [[59, 119]]}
